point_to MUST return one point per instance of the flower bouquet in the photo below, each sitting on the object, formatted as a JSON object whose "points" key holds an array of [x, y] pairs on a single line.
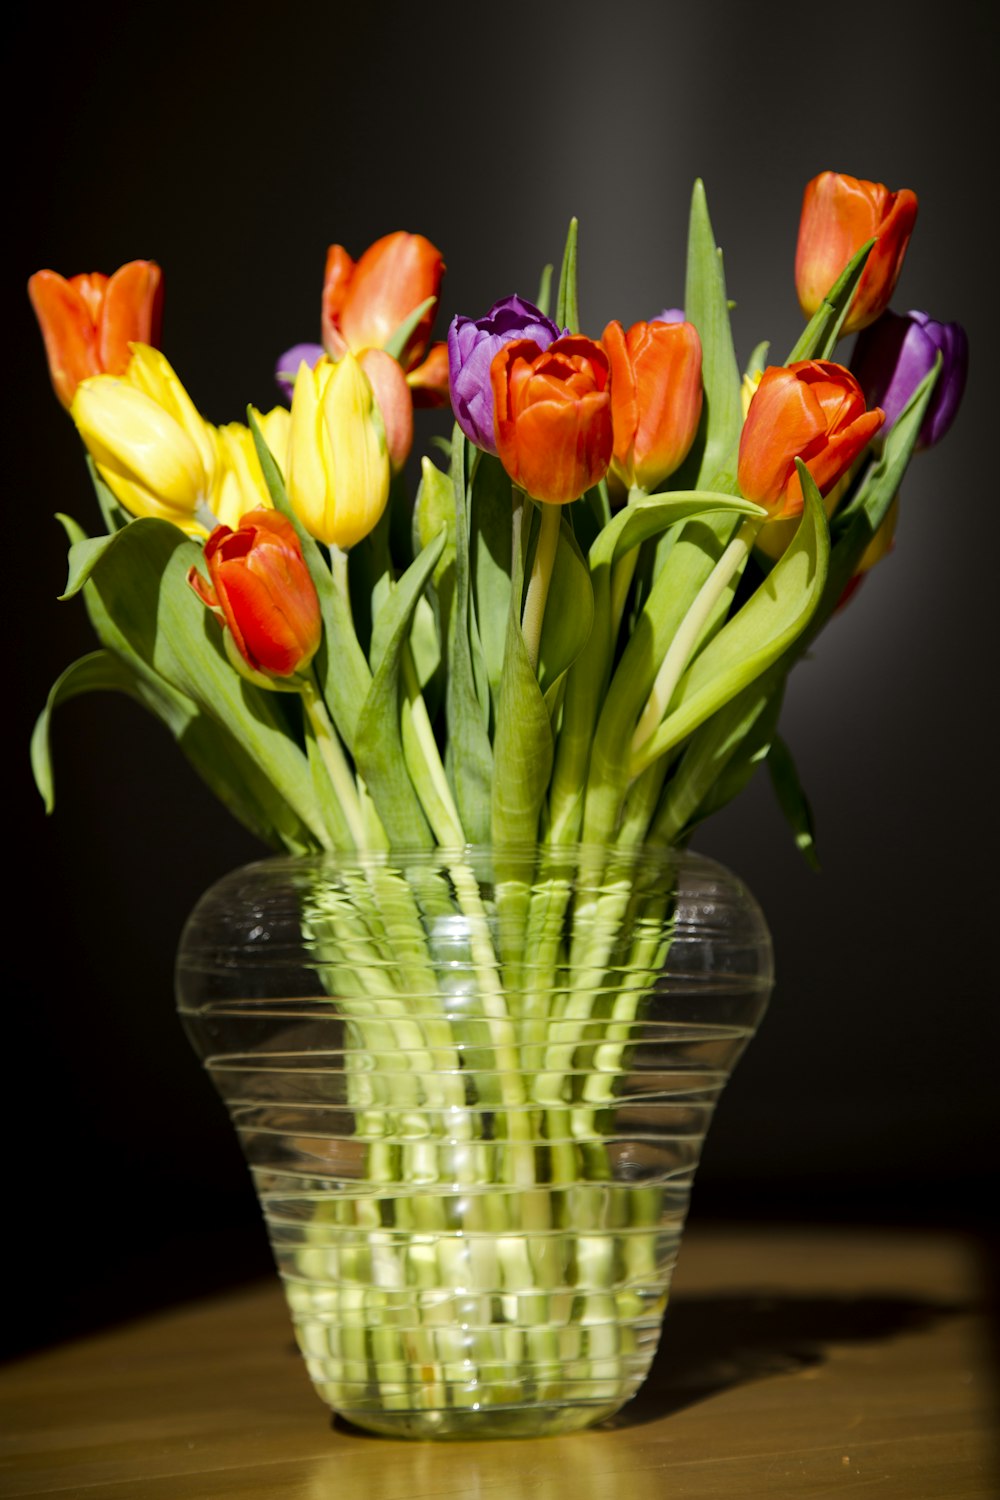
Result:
{"points": [[472, 1025]]}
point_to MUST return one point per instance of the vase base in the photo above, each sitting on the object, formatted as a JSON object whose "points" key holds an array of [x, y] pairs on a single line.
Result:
{"points": [[459, 1425]]}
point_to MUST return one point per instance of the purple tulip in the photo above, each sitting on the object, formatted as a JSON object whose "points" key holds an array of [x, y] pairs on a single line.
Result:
{"points": [[287, 367], [670, 315], [893, 356], [472, 343]]}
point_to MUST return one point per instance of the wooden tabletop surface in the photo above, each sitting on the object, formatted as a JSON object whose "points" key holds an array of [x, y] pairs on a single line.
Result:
{"points": [[794, 1363]]}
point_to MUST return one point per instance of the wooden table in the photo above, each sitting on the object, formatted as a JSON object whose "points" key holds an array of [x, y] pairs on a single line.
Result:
{"points": [[794, 1364]]}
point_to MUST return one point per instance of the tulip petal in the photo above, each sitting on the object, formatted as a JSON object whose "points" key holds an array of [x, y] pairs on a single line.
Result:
{"points": [[68, 332], [132, 313]]}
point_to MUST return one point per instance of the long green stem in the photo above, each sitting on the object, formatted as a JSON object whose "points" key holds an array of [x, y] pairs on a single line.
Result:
{"points": [[341, 776], [685, 641], [541, 577], [432, 788]]}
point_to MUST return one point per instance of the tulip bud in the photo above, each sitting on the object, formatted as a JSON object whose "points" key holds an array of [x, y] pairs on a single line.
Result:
{"points": [[552, 410], [154, 462], [259, 585], [472, 346], [892, 357], [813, 410], [839, 215], [655, 398], [338, 462], [239, 484], [365, 302], [89, 322]]}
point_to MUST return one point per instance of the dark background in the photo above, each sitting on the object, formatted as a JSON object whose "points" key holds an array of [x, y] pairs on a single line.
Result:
{"points": [[233, 146]]}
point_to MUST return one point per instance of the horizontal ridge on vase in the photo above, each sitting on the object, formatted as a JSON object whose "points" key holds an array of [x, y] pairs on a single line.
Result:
{"points": [[472, 1087]]}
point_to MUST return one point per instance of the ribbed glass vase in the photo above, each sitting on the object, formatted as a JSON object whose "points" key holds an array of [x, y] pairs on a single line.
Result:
{"points": [[472, 1088]]}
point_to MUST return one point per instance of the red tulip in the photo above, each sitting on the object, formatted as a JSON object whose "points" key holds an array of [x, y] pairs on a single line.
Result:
{"points": [[552, 415], [839, 215], [364, 302], [655, 398], [89, 321], [813, 410], [260, 586]]}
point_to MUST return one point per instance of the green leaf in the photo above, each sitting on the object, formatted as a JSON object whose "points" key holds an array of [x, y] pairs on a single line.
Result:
{"points": [[341, 668], [489, 539], [819, 337], [544, 294], [707, 307], [774, 615], [98, 672], [399, 337], [567, 310], [149, 612], [585, 692], [720, 758], [470, 754], [523, 746], [568, 618], [221, 761], [84, 555], [379, 746], [792, 800]]}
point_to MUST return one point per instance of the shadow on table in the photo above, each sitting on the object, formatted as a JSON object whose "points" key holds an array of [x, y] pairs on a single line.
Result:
{"points": [[711, 1343]]}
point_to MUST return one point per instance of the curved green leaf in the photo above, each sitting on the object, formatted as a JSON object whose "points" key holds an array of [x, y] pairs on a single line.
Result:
{"points": [[149, 612], [775, 614], [98, 672]]}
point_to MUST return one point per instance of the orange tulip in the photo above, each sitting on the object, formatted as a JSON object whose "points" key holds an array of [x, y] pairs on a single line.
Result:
{"points": [[839, 215], [364, 302], [260, 586], [552, 415], [89, 321], [813, 410], [655, 399]]}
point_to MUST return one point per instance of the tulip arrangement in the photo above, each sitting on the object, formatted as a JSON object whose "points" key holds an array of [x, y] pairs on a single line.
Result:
{"points": [[576, 637]]}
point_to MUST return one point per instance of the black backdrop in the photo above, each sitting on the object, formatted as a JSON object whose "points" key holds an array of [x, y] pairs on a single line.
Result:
{"points": [[233, 146]]}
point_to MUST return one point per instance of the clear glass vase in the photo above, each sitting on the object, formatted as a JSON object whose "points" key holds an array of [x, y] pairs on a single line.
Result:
{"points": [[472, 1088]]}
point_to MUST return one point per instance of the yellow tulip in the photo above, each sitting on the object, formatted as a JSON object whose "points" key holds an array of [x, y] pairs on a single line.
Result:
{"points": [[338, 462], [152, 373], [149, 462], [239, 480]]}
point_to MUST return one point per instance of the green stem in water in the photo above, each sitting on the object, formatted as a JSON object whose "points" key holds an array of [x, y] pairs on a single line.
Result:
{"points": [[541, 576], [330, 748], [684, 643]]}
